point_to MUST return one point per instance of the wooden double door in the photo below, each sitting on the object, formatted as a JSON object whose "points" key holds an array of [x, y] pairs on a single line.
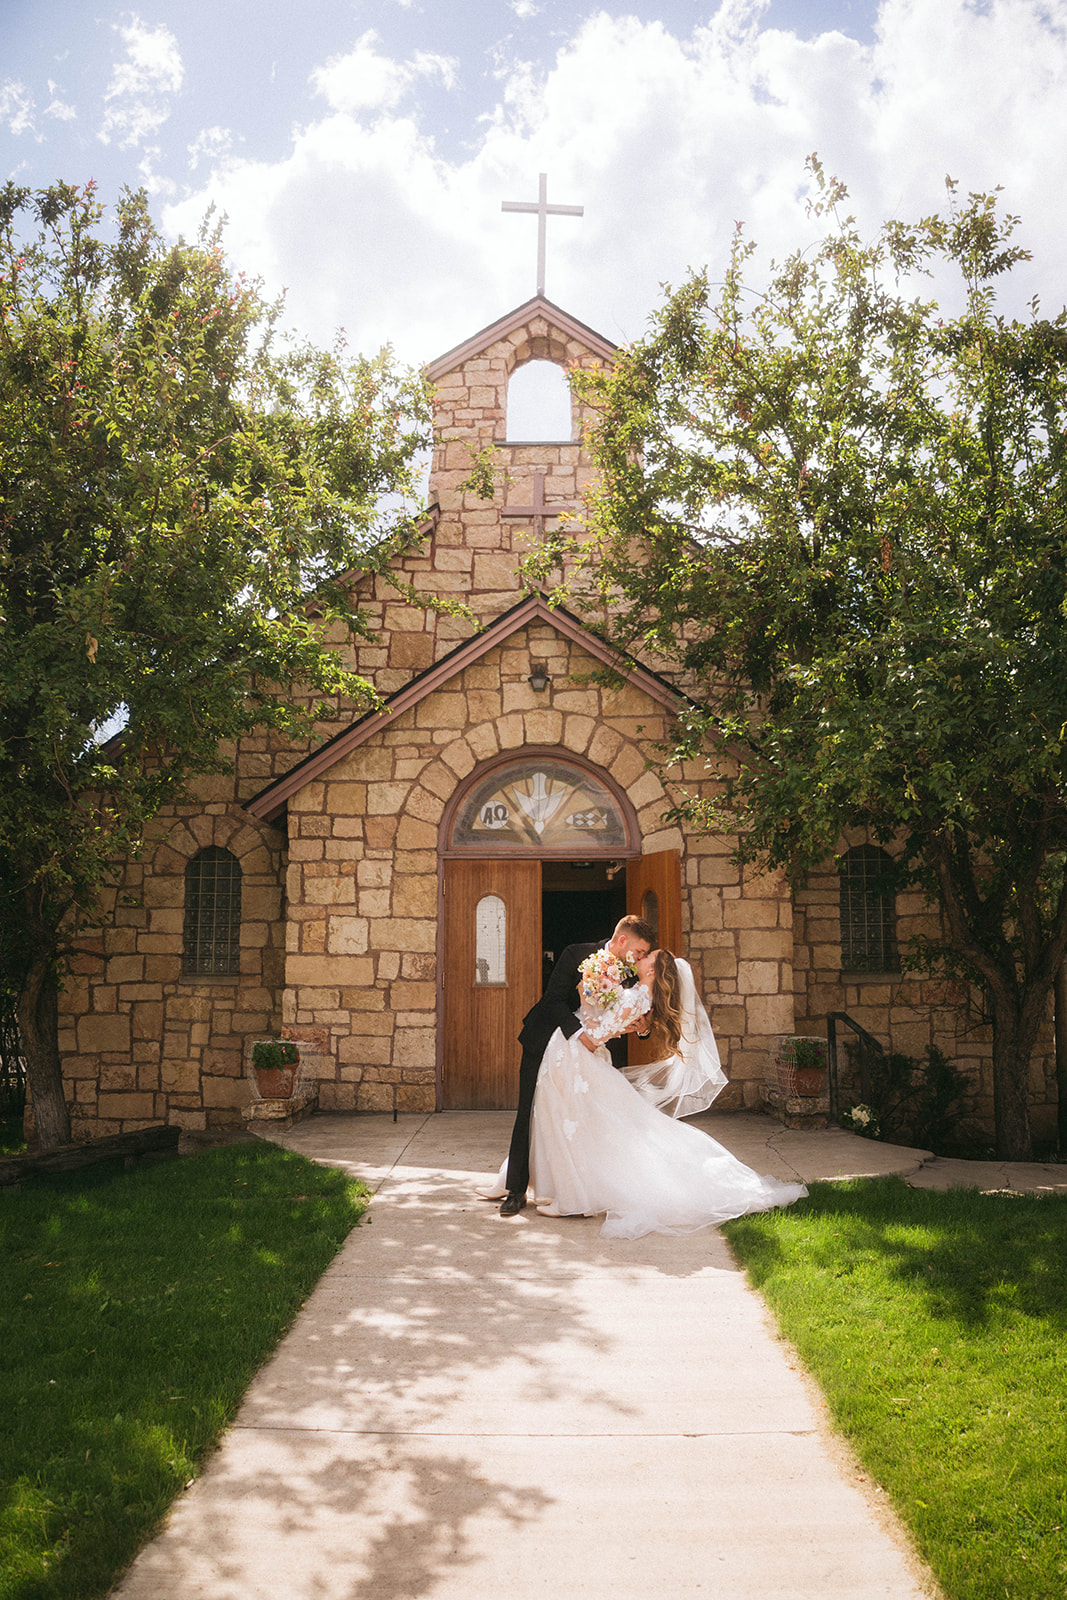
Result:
{"points": [[491, 965]]}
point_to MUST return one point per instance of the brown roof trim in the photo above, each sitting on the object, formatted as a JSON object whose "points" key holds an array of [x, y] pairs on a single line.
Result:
{"points": [[537, 307], [270, 802]]}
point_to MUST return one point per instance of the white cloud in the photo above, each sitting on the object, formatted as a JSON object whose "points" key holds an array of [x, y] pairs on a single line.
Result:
{"points": [[366, 80], [137, 97], [525, 9], [666, 141], [60, 109], [212, 144], [152, 180], [16, 107]]}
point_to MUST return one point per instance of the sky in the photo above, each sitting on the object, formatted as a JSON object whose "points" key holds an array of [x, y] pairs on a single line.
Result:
{"points": [[360, 149]]}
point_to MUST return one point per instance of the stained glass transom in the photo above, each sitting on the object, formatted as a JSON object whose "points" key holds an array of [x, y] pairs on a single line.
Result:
{"points": [[540, 804]]}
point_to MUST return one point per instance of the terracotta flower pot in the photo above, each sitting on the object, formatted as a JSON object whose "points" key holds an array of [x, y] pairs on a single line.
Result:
{"points": [[805, 1076], [275, 1083]]}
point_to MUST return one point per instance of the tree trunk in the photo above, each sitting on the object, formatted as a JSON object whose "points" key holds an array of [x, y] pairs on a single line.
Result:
{"points": [[38, 1017], [1015, 1029], [1061, 1056]]}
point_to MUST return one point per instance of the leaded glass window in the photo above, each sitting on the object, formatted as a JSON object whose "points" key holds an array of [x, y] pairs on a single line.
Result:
{"points": [[541, 804], [868, 912], [490, 942], [212, 942]]}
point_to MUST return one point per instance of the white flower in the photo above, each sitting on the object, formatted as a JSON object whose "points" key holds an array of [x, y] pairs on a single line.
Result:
{"points": [[570, 1128], [581, 1085]]}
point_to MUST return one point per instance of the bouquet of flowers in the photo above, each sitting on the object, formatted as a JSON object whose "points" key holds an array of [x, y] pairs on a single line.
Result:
{"points": [[861, 1119], [604, 977]]}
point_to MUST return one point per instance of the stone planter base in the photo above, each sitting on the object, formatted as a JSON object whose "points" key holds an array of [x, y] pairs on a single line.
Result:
{"points": [[796, 1110], [274, 1116]]}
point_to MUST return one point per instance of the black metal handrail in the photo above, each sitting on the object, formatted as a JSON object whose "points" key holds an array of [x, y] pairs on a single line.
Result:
{"points": [[868, 1045]]}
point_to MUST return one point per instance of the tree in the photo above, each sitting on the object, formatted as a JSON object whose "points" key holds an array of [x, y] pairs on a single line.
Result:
{"points": [[174, 480], [839, 511]]}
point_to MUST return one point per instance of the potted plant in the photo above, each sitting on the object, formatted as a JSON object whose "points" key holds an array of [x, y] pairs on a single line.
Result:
{"points": [[274, 1062], [802, 1065]]}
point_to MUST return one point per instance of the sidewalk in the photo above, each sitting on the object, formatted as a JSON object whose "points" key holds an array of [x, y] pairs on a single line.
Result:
{"points": [[478, 1408]]}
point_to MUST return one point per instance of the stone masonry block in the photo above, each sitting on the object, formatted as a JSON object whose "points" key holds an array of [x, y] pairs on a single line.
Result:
{"points": [[413, 996], [126, 1106], [105, 1033], [415, 896], [769, 1014], [347, 936], [759, 977]]}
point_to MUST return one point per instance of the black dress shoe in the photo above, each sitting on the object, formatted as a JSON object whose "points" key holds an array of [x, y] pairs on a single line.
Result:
{"points": [[513, 1203]]}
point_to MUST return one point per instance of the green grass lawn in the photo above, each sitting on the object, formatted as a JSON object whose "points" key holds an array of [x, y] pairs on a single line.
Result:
{"points": [[935, 1325], [137, 1305]]}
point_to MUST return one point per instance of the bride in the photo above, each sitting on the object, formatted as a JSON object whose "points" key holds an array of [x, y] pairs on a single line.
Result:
{"points": [[600, 1142]]}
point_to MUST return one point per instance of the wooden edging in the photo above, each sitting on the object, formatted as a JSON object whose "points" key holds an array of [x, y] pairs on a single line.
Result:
{"points": [[158, 1140]]}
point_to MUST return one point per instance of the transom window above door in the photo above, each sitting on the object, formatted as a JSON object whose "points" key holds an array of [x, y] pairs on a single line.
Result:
{"points": [[537, 803]]}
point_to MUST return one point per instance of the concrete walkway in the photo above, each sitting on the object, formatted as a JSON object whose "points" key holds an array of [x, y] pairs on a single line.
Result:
{"points": [[478, 1408]]}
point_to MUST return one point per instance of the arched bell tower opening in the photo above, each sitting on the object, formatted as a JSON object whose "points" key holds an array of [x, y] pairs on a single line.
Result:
{"points": [[539, 404]]}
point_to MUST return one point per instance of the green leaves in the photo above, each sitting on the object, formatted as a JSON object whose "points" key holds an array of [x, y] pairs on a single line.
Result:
{"points": [[175, 483], [839, 514]]}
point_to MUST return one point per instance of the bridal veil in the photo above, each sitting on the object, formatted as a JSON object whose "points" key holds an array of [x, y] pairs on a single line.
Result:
{"points": [[688, 1081]]}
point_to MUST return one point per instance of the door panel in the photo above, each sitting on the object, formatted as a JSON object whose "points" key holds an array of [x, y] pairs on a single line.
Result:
{"points": [[481, 1019], [654, 891]]}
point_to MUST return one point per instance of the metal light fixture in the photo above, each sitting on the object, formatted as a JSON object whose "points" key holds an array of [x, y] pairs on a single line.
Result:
{"points": [[538, 679]]}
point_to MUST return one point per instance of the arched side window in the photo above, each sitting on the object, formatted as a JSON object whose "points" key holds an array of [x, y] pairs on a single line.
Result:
{"points": [[539, 403], [868, 913], [212, 942]]}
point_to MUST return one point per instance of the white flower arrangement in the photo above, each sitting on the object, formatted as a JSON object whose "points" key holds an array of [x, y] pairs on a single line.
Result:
{"points": [[861, 1119]]}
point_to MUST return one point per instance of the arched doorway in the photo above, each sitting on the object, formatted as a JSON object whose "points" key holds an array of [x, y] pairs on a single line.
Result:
{"points": [[539, 850]]}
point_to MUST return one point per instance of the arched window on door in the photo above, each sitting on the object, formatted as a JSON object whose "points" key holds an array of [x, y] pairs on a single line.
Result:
{"points": [[490, 942]]}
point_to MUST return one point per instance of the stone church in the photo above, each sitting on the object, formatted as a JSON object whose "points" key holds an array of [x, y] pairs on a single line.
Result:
{"points": [[392, 897]]}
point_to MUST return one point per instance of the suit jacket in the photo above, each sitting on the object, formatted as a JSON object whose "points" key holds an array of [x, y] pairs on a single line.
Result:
{"points": [[557, 1006]]}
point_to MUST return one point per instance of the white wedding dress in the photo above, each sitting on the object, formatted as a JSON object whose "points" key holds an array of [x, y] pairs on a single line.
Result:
{"points": [[599, 1145]]}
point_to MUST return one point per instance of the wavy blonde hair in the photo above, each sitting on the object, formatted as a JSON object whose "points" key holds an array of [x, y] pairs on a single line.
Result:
{"points": [[667, 1000]]}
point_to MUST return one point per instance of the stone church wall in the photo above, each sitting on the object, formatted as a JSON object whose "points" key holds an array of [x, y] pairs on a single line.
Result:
{"points": [[341, 928], [140, 1041], [363, 877], [906, 1012]]}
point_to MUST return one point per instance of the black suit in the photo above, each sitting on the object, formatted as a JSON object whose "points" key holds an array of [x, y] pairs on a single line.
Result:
{"points": [[555, 1009]]}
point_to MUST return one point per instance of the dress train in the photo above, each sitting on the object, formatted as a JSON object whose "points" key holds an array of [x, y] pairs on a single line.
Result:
{"points": [[597, 1146]]}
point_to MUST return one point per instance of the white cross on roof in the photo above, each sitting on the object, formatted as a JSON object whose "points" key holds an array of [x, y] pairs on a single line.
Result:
{"points": [[544, 211]]}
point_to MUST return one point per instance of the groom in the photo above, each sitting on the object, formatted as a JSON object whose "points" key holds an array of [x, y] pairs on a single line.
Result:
{"points": [[633, 937]]}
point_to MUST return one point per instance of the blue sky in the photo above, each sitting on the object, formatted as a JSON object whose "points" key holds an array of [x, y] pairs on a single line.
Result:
{"points": [[361, 150]]}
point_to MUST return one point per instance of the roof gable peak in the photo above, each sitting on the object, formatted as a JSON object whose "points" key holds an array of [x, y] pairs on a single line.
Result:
{"points": [[570, 327]]}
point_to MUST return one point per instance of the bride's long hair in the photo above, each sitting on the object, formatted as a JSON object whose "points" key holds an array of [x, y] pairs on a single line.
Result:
{"points": [[667, 1000]]}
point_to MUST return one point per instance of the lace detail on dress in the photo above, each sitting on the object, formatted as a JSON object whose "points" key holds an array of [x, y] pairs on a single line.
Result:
{"points": [[600, 1023]]}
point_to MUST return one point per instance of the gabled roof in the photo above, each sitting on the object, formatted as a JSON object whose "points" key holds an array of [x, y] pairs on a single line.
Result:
{"points": [[562, 320], [270, 802]]}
